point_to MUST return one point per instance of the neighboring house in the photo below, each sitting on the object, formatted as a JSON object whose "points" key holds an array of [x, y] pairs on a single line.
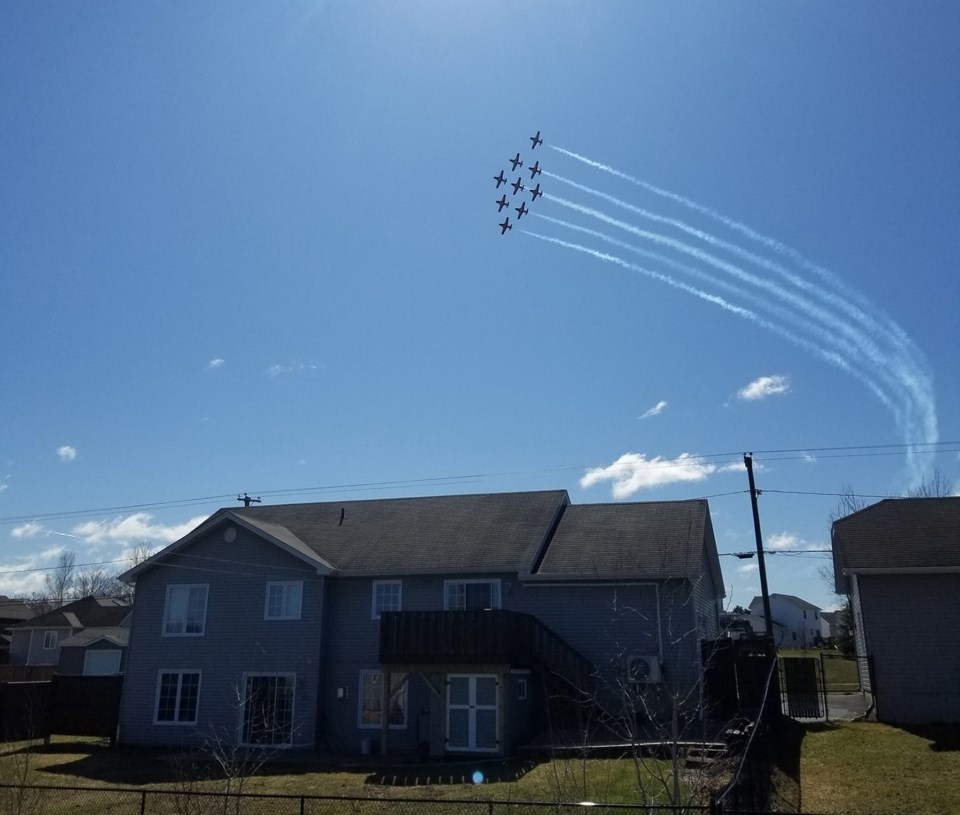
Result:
{"points": [[834, 625], [739, 626], [95, 651], [899, 562], [796, 623], [11, 612], [38, 641], [458, 616]]}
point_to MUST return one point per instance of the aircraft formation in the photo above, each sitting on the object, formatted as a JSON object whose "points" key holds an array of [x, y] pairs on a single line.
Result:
{"points": [[516, 166]]}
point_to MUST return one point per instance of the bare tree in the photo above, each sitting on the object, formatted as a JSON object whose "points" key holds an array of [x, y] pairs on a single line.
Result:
{"points": [[98, 583], [935, 486], [58, 583]]}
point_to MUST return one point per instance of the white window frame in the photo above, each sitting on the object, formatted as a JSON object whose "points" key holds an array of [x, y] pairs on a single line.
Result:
{"points": [[291, 678], [404, 695], [375, 607], [50, 640], [167, 608], [286, 587], [493, 581], [176, 721], [522, 689]]}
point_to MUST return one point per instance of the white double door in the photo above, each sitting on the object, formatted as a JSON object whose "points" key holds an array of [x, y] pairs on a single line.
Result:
{"points": [[472, 713]]}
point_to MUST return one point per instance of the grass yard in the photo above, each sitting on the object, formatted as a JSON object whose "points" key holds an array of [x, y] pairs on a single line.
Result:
{"points": [[871, 767], [73, 762], [839, 672]]}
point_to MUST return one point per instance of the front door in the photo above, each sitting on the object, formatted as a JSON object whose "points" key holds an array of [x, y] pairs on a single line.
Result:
{"points": [[473, 713]]}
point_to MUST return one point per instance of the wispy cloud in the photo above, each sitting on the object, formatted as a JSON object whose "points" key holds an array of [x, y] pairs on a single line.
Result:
{"points": [[132, 528], [656, 410], [67, 453], [785, 541], [633, 472], [26, 531], [746, 568], [763, 387], [213, 364], [292, 367]]}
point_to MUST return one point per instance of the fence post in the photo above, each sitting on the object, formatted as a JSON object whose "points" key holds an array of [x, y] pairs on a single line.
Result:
{"points": [[143, 802]]}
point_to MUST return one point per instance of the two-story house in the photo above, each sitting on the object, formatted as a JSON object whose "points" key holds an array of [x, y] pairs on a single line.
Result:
{"points": [[796, 622], [441, 624]]}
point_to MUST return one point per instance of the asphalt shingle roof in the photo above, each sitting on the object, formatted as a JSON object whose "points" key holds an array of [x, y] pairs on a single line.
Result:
{"points": [[898, 534], [492, 532], [87, 612], [656, 540]]}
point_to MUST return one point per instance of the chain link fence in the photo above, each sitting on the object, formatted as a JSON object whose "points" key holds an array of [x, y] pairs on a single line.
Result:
{"points": [[44, 800]]}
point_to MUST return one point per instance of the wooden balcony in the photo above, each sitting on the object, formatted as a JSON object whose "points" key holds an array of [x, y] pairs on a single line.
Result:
{"points": [[477, 637]]}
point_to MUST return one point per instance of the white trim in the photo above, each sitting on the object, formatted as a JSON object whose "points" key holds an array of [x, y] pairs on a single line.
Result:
{"points": [[292, 679], [180, 673], [287, 584], [373, 597], [166, 608], [102, 652], [904, 570], [493, 581], [46, 637]]}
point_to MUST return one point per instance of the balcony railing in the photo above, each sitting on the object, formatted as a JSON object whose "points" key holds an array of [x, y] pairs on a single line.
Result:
{"points": [[474, 637]]}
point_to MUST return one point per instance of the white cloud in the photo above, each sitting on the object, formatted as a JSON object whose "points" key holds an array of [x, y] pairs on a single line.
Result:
{"points": [[293, 367], [133, 528], [656, 410], [763, 387], [67, 453], [746, 568], [3, 483], [634, 471], [26, 531], [784, 541], [216, 363]]}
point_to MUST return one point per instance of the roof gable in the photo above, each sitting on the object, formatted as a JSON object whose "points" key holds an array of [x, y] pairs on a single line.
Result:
{"points": [[898, 535], [83, 613]]}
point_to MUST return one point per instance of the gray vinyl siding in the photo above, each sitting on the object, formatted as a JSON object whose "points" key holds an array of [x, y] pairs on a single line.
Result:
{"points": [[705, 600], [916, 665], [27, 648], [236, 639]]}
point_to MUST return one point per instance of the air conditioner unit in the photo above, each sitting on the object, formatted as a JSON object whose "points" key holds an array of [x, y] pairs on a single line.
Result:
{"points": [[644, 669]]}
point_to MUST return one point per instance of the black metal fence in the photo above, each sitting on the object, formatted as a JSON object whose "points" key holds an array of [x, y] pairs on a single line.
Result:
{"points": [[34, 800]]}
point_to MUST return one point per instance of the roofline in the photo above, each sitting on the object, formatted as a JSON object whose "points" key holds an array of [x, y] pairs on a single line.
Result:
{"points": [[219, 518], [904, 570]]}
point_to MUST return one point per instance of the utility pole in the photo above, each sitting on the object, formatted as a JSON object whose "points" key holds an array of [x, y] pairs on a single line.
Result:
{"points": [[247, 500], [754, 492]]}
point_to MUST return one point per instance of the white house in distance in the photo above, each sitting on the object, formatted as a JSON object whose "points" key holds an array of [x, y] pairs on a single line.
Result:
{"points": [[797, 623]]}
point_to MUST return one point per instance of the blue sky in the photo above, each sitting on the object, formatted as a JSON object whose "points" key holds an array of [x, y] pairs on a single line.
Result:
{"points": [[254, 247]]}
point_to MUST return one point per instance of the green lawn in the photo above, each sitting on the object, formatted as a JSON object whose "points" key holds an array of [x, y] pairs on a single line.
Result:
{"points": [[870, 767], [840, 673], [73, 762]]}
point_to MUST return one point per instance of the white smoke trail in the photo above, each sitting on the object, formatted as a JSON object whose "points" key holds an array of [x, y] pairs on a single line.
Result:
{"points": [[891, 356]]}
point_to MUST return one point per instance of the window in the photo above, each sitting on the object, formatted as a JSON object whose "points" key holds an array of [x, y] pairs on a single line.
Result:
{"points": [[463, 595], [178, 694], [49, 640], [386, 597], [268, 709], [185, 612], [522, 689], [283, 600], [370, 701]]}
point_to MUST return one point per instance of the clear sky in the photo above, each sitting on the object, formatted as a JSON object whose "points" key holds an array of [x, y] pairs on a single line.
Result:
{"points": [[254, 246]]}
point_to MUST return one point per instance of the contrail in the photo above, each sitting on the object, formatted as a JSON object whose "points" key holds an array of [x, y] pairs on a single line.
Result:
{"points": [[781, 248], [841, 298], [899, 363]]}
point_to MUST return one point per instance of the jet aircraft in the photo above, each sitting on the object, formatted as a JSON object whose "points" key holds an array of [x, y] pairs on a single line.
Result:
{"points": [[536, 140], [502, 202], [515, 161], [505, 226], [534, 170], [500, 179], [517, 185], [521, 210], [535, 193]]}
